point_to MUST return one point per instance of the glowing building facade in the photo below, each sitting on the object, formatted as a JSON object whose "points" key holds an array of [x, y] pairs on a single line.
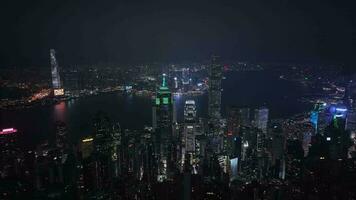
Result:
{"points": [[189, 127], [162, 122], [215, 76], [214, 107], [56, 80]]}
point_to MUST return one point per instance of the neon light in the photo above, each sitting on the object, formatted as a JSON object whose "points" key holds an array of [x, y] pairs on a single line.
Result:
{"points": [[58, 92], [157, 101], [164, 81], [87, 140], [341, 109], [314, 119], [246, 144], [8, 131], [190, 102], [165, 100]]}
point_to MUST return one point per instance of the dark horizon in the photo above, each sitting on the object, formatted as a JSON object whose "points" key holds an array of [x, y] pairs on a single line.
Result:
{"points": [[130, 32]]}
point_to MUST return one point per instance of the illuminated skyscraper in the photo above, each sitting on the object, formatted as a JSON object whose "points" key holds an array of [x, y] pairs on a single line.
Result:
{"points": [[185, 76], [189, 128], [190, 112], [214, 109], [215, 143], [261, 119], [56, 80], [214, 104], [163, 119]]}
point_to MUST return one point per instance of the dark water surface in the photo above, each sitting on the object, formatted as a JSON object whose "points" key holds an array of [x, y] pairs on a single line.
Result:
{"points": [[241, 89]]}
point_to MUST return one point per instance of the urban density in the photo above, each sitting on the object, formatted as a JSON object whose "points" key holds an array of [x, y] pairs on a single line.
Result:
{"points": [[212, 127]]}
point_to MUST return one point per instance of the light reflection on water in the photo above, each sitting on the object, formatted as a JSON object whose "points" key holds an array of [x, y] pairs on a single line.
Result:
{"points": [[60, 111], [134, 112]]}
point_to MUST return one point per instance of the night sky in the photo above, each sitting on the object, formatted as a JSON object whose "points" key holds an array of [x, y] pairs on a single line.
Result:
{"points": [[88, 32]]}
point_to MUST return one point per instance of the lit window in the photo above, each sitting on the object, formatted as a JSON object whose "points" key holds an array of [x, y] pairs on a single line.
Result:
{"points": [[157, 101], [165, 100]]}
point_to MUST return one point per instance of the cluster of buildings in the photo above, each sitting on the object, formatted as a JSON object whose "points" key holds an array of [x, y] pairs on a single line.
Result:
{"points": [[244, 155]]}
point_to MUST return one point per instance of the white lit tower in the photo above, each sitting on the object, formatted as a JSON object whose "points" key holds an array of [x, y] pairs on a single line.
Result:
{"points": [[190, 120], [56, 80]]}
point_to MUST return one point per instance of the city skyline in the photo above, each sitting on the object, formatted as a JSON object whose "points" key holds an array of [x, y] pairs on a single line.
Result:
{"points": [[177, 100]]}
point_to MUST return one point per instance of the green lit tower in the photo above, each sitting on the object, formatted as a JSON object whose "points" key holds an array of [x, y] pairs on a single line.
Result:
{"points": [[162, 122]]}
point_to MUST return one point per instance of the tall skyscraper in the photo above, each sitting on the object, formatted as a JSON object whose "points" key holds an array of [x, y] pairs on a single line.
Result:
{"points": [[215, 138], [163, 118], [190, 112], [277, 151], [261, 119], [56, 80], [351, 117], [214, 109], [236, 118], [189, 128]]}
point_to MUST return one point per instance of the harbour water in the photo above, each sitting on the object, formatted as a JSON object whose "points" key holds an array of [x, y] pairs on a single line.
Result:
{"points": [[244, 89]]}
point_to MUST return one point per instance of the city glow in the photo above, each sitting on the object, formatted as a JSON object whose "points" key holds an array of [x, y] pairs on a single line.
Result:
{"points": [[40, 95], [87, 140], [8, 131], [58, 92]]}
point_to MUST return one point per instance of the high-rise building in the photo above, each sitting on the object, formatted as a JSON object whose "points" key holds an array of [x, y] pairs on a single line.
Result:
{"points": [[87, 147], [185, 76], [190, 121], [190, 112], [351, 119], [314, 115], [261, 119], [106, 151], [244, 117], [163, 119], [56, 80], [337, 138], [215, 138], [237, 117], [215, 76], [277, 150]]}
